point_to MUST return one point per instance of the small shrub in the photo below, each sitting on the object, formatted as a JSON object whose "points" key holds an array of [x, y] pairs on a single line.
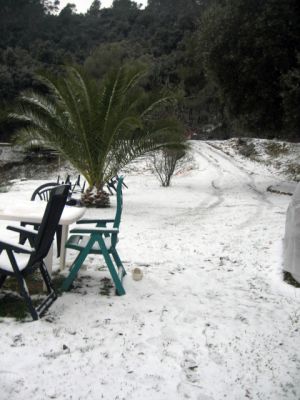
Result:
{"points": [[164, 163], [274, 149], [246, 149], [293, 170]]}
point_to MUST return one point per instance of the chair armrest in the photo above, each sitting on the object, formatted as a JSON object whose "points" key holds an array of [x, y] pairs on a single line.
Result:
{"points": [[15, 247], [94, 230], [34, 224], [27, 232], [95, 221]]}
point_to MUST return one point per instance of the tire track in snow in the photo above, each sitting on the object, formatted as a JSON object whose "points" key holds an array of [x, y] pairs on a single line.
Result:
{"points": [[215, 197], [227, 185], [229, 168], [242, 171]]}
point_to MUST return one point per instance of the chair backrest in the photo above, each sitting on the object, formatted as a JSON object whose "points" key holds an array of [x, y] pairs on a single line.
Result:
{"points": [[67, 181], [50, 221], [43, 191], [77, 187], [119, 202]]}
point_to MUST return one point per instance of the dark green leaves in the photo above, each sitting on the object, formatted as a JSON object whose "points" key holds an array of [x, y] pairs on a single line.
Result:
{"points": [[98, 126]]}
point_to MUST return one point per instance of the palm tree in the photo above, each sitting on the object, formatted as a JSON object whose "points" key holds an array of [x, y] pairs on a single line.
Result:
{"points": [[98, 126]]}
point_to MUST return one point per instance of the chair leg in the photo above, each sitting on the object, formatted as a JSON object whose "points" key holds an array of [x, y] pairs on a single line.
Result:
{"points": [[25, 294], [109, 189], [46, 278], [115, 277], [118, 261], [2, 279], [77, 264], [22, 286], [74, 269], [52, 296]]}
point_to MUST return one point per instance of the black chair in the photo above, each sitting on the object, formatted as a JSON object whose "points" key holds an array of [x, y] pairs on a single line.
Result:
{"points": [[112, 184], [76, 190], [76, 187], [43, 193], [67, 181], [19, 260]]}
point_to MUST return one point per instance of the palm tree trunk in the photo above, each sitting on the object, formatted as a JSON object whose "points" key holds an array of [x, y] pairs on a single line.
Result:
{"points": [[95, 197]]}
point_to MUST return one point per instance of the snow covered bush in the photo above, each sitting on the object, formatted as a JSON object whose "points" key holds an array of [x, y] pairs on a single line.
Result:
{"points": [[164, 163]]}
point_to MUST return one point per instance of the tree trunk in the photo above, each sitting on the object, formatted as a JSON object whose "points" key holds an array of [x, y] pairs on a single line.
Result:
{"points": [[95, 198]]}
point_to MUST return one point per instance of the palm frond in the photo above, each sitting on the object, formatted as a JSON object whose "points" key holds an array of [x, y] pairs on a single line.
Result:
{"points": [[98, 127]]}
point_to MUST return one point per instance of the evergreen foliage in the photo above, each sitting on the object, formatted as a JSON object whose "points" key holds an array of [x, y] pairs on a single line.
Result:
{"points": [[99, 126], [248, 47]]}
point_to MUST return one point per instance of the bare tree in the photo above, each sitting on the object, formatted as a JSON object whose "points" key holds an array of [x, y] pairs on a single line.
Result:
{"points": [[165, 162]]}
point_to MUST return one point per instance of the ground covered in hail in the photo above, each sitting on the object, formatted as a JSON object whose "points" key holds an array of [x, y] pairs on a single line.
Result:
{"points": [[212, 317]]}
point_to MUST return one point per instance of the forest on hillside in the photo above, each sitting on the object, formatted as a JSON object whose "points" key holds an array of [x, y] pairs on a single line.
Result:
{"points": [[234, 64]]}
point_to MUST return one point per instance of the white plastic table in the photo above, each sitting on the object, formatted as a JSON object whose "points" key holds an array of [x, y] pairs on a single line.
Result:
{"points": [[33, 211]]}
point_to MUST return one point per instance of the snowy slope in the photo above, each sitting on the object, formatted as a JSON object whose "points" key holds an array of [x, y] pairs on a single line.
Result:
{"points": [[212, 318]]}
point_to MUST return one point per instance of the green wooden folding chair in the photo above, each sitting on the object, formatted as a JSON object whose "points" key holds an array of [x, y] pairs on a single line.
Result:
{"points": [[98, 239]]}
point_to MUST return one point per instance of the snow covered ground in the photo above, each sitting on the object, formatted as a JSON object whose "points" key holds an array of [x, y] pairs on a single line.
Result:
{"points": [[211, 319]]}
